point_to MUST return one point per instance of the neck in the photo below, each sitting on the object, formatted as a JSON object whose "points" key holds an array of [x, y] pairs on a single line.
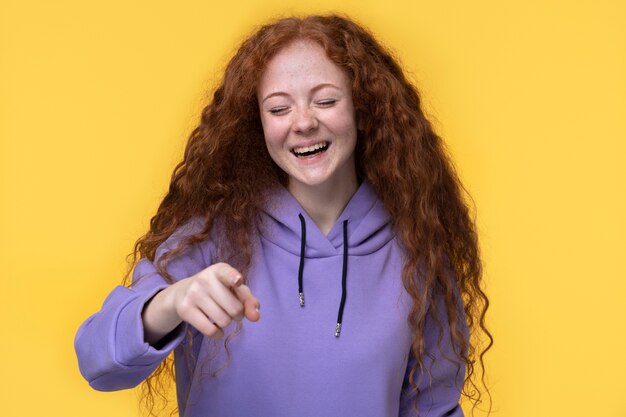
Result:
{"points": [[324, 203]]}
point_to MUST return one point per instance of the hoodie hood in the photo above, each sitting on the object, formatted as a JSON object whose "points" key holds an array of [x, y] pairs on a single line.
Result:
{"points": [[369, 225]]}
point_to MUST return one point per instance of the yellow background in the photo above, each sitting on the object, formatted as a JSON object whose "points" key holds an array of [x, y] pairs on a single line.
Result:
{"points": [[97, 99]]}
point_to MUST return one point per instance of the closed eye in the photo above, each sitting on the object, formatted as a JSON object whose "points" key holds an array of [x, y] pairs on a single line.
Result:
{"points": [[327, 102], [278, 110]]}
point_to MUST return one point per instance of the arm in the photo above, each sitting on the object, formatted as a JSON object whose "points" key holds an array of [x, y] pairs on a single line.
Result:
{"points": [[440, 390], [138, 327], [110, 346]]}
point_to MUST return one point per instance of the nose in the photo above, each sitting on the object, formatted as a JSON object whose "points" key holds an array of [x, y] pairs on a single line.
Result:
{"points": [[304, 121]]}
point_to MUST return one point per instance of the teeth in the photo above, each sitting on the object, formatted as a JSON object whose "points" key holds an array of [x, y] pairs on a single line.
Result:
{"points": [[310, 148]]}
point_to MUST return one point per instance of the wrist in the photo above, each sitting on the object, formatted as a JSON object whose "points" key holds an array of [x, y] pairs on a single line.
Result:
{"points": [[159, 315]]}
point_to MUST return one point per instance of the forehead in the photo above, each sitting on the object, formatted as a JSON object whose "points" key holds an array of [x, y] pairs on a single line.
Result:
{"points": [[301, 63]]}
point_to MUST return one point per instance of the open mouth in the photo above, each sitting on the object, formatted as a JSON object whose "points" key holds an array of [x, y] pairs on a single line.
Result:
{"points": [[305, 151]]}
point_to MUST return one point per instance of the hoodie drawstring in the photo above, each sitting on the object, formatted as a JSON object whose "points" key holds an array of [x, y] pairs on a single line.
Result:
{"points": [[301, 269], [343, 271]]}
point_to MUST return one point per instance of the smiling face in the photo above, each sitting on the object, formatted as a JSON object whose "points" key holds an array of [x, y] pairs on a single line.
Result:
{"points": [[308, 117]]}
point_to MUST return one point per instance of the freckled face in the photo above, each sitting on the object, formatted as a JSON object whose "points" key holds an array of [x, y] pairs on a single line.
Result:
{"points": [[308, 117]]}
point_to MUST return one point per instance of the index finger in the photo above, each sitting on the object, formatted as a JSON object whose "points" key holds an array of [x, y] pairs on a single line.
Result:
{"points": [[227, 275]]}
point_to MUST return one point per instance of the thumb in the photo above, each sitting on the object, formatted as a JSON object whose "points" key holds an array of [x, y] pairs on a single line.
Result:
{"points": [[251, 304]]}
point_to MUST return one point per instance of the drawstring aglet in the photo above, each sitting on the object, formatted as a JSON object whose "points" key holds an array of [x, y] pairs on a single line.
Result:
{"points": [[338, 330], [301, 299]]}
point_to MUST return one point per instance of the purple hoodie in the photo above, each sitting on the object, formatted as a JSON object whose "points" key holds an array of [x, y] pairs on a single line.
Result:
{"points": [[293, 362]]}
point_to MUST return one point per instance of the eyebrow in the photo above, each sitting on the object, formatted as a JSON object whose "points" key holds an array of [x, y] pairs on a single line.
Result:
{"points": [[314, 89]]}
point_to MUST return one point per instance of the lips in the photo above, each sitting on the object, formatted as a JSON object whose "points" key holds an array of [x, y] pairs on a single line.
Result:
{"points": [[304, 151]]}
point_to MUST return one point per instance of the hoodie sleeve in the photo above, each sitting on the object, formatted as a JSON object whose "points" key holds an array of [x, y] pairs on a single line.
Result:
{"points": [[439, 390], [110, 346]]}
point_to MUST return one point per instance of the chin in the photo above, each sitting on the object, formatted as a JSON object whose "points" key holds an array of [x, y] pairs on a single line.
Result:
{"points": [[308, 181]]}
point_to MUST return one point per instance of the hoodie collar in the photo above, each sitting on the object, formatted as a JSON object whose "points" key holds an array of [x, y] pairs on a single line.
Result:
{"points": [[369, 225]]}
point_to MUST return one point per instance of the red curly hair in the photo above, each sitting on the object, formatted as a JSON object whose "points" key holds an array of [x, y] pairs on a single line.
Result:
{"points": [[226, 165]]}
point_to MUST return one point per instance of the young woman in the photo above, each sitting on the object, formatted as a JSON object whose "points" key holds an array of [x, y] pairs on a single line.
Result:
{"points": [[315, 186]]}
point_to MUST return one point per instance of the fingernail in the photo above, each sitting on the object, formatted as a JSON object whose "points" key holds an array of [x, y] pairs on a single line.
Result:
{"points": [[237, 280], [258, 307]]}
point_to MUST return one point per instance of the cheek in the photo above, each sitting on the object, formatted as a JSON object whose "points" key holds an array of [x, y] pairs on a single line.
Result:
{"points": [[345, 128], [272, 141], [274, 133], [343, 121]]}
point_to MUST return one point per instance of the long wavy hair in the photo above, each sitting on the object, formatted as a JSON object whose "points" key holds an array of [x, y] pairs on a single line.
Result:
{"points": [[226, 164]]}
